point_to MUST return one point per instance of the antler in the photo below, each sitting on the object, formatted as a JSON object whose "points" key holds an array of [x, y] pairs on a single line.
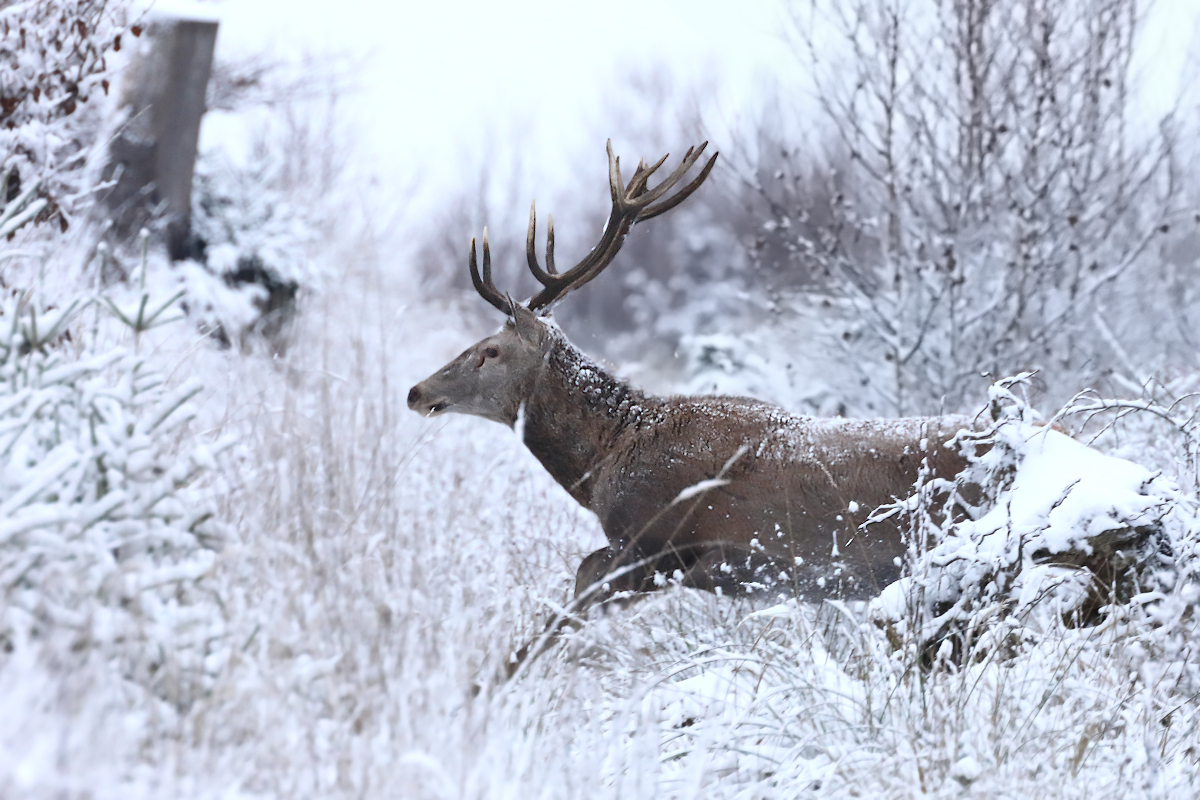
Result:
{"points": [[487, 290], [631, 203]]}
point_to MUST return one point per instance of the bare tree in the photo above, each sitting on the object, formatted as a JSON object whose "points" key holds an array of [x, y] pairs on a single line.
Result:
{"points": [[984, 196]]}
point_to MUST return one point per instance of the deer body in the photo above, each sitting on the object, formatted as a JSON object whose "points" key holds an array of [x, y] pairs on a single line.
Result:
{"points": [[727, 494]]}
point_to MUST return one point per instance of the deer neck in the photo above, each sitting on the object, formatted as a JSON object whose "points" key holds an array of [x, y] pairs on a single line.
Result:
{"points": [[574, 414]]}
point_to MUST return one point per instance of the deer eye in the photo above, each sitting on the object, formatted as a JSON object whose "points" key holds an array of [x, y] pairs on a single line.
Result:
{"points": [[491, 352]]}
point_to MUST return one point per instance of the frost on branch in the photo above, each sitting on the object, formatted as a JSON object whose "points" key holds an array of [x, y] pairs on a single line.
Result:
{"points": [[53, 58], [105, 536]]}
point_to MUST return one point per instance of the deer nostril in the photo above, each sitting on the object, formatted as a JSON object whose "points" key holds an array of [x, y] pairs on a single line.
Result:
{"points": [[414, 394]]}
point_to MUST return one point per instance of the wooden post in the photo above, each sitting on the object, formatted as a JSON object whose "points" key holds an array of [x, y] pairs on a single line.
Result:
{"points": [[153, 156]]}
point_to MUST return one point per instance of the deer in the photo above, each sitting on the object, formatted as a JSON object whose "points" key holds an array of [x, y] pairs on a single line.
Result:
{"points": [[729, 495]]}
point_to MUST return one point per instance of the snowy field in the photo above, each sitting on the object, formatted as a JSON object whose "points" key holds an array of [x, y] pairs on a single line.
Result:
{"points": [[234, 564], [371, 570]]}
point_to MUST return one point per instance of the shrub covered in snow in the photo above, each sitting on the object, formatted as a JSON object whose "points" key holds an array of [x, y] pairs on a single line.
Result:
{"points": [[1053, 529], [257, 227], [53, 58], [104, 535]]}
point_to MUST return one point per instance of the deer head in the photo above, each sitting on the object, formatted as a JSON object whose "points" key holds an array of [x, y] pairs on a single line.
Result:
{"points": [[492, 378]]}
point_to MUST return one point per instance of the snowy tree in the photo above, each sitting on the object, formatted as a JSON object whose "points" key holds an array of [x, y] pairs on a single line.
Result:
{"points": [[985, 194], [105, 537]]}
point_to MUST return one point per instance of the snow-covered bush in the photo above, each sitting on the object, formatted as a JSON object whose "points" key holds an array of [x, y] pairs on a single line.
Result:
{"points": [[1052, 529], [53, 58], [791, 359], [105, 538], [794, 699], [979, 197], [258, 220], [255, 253], [1158, 427]]}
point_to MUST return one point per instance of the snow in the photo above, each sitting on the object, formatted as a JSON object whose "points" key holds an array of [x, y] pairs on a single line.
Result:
{"points": [[1065, 493], [253, 573], [699, 488]]}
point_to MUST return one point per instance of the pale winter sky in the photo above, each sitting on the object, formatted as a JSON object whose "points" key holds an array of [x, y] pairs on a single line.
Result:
{"points": [[435, 79], [440, 77]]}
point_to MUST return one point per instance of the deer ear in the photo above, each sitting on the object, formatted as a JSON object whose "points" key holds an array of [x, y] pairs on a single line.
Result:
{"points": [[526, 323]]}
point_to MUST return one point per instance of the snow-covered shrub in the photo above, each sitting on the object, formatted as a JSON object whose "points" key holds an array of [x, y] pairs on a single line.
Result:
{"points": [[53, 58], [983, 202], [738, 365], [1052, 529], [244, 214], [789, 359], [255, 253], [1158, 427], [257, 220], [104, 536], [795, 699]]}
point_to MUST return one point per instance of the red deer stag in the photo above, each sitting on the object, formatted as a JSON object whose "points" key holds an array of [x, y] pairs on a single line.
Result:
{"points": [[727, 494]]}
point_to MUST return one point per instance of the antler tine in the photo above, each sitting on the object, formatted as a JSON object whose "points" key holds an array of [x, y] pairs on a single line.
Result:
{"points": [[653, 211], [631, 189], [530, 233], [545, 277], [689, 159], [615, 184], [641, 176], [530, 250], [486, 288], [487, 262]]}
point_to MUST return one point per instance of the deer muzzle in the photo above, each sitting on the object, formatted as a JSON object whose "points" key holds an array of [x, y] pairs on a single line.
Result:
{"points": [[423, 403]]}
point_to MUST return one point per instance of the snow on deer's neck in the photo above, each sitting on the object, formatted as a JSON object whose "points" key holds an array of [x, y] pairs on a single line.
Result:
{"points": [[574, 413]]}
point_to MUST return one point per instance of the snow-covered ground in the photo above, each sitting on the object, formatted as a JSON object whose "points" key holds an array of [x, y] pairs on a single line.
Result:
{"points": [[253, 572]]}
